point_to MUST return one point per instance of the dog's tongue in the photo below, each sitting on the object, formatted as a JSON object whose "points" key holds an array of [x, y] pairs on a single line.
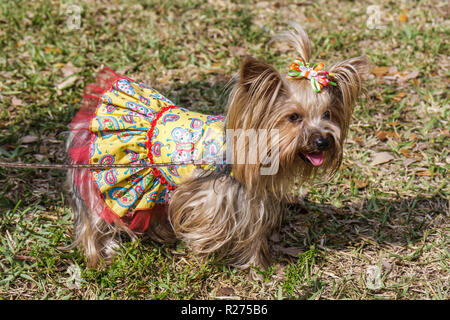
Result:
{"points": [[315, 158]]}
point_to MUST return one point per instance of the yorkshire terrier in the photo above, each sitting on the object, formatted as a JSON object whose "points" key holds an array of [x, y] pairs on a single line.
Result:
{"points": [[227, 210]]}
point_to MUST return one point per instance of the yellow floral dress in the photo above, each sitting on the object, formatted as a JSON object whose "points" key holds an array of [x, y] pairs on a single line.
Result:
{"points": [[134, 124]]}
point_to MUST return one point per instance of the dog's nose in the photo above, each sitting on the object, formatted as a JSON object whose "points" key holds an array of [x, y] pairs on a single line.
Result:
{"points": [[321, 143]]}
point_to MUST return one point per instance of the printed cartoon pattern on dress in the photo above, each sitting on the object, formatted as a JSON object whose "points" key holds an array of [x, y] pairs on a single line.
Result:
{"points": [[135, 124], [185, 141]]}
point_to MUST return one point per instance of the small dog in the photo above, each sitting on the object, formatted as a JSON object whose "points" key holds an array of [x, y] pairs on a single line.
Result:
{"points": [[229, 211]]}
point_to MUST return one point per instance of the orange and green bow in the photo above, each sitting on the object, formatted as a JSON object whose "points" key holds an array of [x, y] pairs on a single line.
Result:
{"points": [[318, 77]]}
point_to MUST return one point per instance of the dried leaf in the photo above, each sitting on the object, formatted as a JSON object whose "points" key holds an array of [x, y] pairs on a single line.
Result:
{"points": [[225, 292], [214, 67], [359, 141], [16, 102], [43, 149], [279, 274], [69, 69], [407, 153], [412, 75], [67, 83], [29, 139], [382, 135], [238, 51], [290, 251], [39, 157], [379, 71], [393, 70], [360, 184], [393, 134], [386, 265], [381, 157], [403, 77], [399, 96], [403, 18], [52, 50], [409, 161], [423, 173]]}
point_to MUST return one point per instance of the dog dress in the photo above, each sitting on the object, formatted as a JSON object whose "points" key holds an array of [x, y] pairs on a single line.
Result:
{"points": [[122, 121]]}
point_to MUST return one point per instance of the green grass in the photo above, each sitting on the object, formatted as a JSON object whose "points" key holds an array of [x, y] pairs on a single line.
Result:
{"points": [[371, 232]]}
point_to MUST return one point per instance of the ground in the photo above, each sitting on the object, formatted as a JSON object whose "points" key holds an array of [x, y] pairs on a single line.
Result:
{"points": [[379, 229]]}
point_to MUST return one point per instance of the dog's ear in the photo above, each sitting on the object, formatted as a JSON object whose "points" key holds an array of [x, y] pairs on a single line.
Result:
{"points": [[349, 76], [258, 78]]}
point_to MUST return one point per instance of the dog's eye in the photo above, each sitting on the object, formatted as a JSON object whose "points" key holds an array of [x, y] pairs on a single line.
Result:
{"points": [[326, 115], [295, 117]]}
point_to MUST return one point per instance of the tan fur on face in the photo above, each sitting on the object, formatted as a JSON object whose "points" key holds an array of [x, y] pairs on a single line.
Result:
{"points": [[233, 217], [262, 98]]}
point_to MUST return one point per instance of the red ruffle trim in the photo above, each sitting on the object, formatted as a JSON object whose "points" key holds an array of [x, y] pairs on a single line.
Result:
{"points": [[79, 151], [155, 171]]}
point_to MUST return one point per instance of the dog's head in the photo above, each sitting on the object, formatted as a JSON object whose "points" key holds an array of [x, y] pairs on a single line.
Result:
{"points": [[311, 124]]}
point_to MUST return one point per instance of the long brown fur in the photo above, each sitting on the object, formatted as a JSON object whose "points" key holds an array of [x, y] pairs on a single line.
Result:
{"points": [[232, 217]]}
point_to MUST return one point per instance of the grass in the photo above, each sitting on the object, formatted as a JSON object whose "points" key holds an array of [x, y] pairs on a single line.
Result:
{"points": [[374, 231]]}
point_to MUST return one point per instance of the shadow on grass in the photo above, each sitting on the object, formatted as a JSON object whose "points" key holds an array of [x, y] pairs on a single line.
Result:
{"points": [[379, 221]]}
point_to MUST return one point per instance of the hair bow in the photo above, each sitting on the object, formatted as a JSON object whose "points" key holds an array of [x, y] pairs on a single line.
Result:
{"points": [[318, 77]]}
